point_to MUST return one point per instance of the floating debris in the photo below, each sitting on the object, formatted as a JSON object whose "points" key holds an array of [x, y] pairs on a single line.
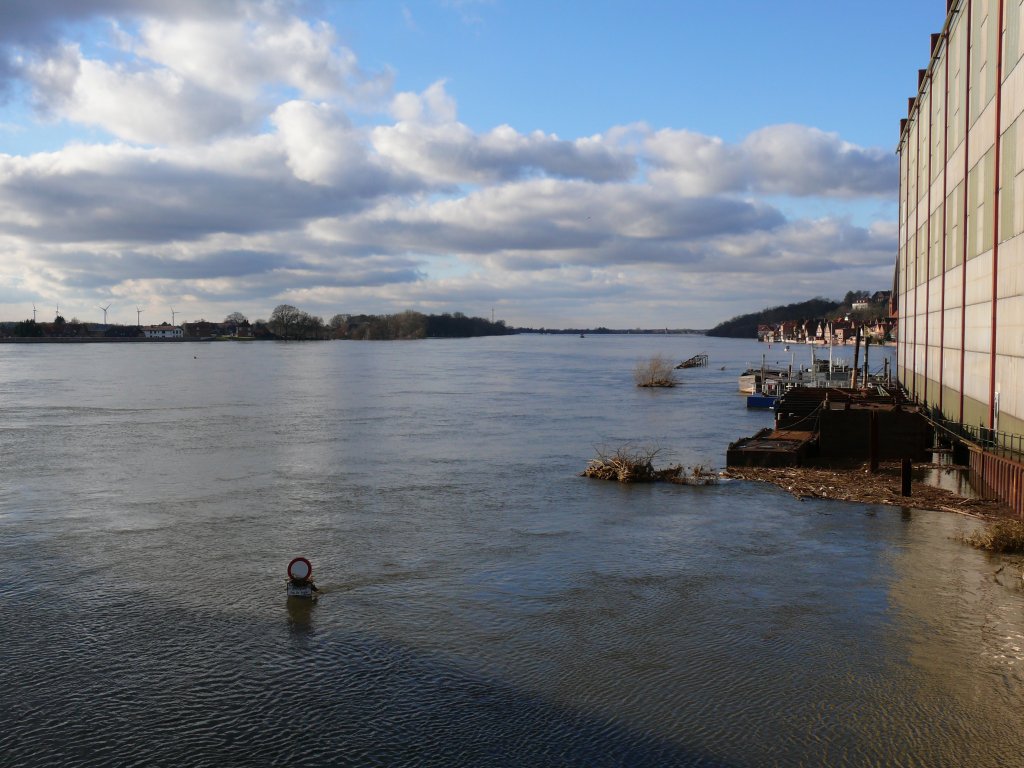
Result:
{"points": [[636, 465], [857, 483]]}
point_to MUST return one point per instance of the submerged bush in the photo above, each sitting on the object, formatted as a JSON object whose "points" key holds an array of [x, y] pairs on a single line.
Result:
{"points": [[1001, 536], [636, 465], [656, 372]]}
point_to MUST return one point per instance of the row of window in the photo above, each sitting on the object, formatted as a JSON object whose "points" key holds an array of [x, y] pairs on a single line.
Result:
{"points": [[940, 240]]}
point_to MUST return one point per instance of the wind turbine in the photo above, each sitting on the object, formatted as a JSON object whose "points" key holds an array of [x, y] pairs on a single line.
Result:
{"points": [[33, 311], [138, 315], [105, 313], [173, 313]]}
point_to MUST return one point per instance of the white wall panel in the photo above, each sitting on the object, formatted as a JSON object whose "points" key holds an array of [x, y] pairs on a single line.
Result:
{"points": [[982, 134], [955, 167], [1010, 327], [978, 327], [1011, 266], [1009, 374], [976, 374], [979, 278], [1012, 98], [951, 368], [954, 281]]}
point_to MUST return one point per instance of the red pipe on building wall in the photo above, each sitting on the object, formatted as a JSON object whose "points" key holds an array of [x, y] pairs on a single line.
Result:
{"points": [[995, 221], [945, 193], [963, 265], [928, 242]]}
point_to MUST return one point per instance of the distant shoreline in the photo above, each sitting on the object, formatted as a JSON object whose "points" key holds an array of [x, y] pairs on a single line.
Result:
{"points": [[93, 340], [158, 340]]}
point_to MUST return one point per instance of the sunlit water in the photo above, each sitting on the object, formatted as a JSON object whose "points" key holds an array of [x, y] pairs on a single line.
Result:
{"points": [[482, 603]]}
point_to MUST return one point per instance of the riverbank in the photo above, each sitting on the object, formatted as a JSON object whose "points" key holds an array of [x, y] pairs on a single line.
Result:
{"points": [[856, 483]]}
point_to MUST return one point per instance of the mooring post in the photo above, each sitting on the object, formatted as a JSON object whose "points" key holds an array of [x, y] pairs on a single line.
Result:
{"points": [[873, 441], [856, 362], [905, 469]]}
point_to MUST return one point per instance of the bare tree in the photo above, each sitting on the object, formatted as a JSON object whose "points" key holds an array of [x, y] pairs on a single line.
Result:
{"points": [[656, 372], [285, 319]]}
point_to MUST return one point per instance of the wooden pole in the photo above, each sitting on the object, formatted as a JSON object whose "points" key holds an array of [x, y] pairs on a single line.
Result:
{"points": [[856, 357]]}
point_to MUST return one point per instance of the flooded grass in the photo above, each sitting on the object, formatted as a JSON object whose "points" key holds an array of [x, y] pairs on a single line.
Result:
{"points": [[1005, 536]]}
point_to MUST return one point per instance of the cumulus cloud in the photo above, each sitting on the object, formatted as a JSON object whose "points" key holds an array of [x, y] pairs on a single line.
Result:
{"points": [[192, 78], [239, 176], [149, 107], [323, 148], [429, 140], [31, 22], [780, 159], [264, 46]]}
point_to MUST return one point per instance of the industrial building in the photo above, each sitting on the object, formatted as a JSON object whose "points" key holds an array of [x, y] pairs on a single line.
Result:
{"points": [[959, 283]]}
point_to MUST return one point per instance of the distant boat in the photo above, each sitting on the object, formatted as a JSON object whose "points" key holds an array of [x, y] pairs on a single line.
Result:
{"points": [[750, 381], [761, 401]]}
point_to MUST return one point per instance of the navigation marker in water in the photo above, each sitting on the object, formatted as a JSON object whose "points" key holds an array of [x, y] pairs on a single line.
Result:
{"points": [[300, 578], [300, 569]]}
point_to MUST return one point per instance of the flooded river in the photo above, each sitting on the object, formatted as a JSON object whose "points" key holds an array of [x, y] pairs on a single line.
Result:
{"points": [[482, 605]]}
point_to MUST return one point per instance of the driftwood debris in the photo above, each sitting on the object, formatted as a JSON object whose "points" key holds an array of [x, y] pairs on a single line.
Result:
{"points": [[636, 465], [857, 483]]}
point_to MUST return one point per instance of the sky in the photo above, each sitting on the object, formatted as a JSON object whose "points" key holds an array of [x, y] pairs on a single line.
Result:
{"points": [[640, 164]]}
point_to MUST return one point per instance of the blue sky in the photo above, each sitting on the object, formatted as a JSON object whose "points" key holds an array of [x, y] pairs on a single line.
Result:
{"points": [[623, 164], [725, 68]]}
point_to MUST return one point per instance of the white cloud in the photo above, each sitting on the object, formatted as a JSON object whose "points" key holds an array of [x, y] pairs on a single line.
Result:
{"points": [[321, 145], [428, 140], [244, 55], [149, 107], [780, 159], [188, 79], [240, 178]]}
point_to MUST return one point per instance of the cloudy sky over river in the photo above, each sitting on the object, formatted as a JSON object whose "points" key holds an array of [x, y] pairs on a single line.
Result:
{"points": [[624, 164]]}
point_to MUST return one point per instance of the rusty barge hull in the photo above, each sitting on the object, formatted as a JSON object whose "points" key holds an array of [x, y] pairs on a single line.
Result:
{"points": [[836, 425]]}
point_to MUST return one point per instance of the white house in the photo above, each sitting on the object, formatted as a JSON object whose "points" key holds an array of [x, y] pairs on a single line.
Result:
{"points": [[162, 331]]}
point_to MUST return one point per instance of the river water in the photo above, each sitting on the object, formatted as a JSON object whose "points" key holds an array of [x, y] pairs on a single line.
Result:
{"points": [[482, 603]]}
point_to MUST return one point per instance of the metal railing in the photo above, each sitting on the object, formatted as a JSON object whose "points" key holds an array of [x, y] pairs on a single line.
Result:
{"points": [[983, 437]]}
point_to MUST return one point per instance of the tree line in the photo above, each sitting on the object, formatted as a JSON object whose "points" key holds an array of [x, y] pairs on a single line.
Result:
{"points": [[288, 322]]}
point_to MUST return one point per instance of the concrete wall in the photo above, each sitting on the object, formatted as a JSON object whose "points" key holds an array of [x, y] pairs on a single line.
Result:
{"points": [[960, 266]]}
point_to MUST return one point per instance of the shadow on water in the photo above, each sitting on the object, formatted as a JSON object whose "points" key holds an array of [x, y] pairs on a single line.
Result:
{"points": [[240, 693]]}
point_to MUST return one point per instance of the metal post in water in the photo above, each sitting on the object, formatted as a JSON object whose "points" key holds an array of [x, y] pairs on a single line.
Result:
{"points": [[856, 356], [873, 442], [867, 345]]}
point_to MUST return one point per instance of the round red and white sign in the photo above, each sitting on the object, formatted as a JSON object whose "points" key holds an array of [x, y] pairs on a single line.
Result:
{"points": [[300, 568]]}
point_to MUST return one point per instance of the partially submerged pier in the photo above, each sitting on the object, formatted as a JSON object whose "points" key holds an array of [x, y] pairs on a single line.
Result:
{"points": [[697, 361]]}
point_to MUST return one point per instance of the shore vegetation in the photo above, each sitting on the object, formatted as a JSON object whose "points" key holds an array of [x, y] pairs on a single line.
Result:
{"points": [[1004, 536]]}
